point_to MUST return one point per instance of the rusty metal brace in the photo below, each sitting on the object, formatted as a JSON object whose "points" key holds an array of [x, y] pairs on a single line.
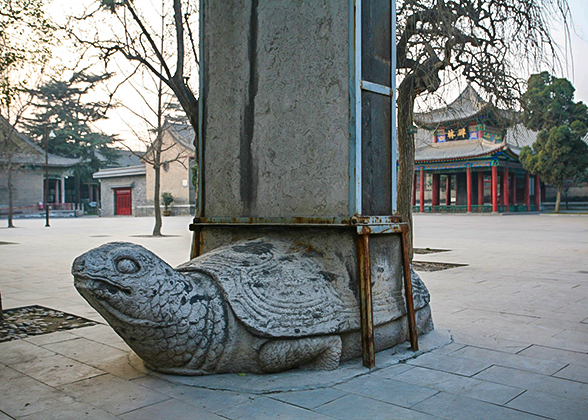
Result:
{"points": [[365, 294]]}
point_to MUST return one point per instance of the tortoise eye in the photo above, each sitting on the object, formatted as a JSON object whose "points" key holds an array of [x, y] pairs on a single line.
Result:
{"points": [[127, 266]]}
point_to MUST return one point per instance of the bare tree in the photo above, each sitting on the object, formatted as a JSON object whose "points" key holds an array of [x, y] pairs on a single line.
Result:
{"points": [[133, 37], [24, 51], [158, 154], [488, 42]]}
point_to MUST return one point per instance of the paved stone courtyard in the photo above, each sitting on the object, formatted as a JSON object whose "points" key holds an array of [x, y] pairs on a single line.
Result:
{"points": [[517, 315]]}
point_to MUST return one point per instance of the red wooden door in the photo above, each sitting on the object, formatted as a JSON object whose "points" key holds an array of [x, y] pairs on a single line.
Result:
{"points": [[122, 202]]}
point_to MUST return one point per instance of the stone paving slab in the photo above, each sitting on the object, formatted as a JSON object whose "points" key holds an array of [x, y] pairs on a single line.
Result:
{"points": [[112, 394], [73, 411], [352, 407], [576, 391], [550, 406], [269, 408], [459, 385], [457, 407], [515, 361], [170, 409], [517, 314]]}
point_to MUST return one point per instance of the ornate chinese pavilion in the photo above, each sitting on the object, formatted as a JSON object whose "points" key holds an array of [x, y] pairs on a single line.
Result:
{"points": [[469, 151]]}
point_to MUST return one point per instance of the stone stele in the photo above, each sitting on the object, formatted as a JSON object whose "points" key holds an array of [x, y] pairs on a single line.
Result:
{"points": [[254, 306]]}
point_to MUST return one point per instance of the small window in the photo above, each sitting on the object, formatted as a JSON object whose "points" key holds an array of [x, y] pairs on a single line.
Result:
{"points": [[165, 166]]}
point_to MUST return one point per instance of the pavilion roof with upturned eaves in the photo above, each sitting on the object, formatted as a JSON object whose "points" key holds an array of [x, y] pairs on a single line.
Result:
{"points": [[468, 105]]}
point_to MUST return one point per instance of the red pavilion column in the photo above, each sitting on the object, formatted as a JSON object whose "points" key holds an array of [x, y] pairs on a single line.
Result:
{"points": [[513, 188], [494, 189], [448, 190], [501, 187], [469, 187], [527, 192], [422, 202], [480, 188], [505, 189], [537, 192], [436, 188], [414, 182]]}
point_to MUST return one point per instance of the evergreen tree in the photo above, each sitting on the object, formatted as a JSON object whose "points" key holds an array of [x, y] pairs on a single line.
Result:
{"points": [[60, 105], [559, 153]]}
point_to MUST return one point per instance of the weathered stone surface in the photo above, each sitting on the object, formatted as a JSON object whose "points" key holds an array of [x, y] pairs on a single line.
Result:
{"points": [[253, 306]]}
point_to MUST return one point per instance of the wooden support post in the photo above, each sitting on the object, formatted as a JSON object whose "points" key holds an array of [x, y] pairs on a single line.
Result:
{"points": [[505, 189], [410, 314], [365, 301], [422, 202], [436, 188], [448, 190], [480, 188], [527, 192], [494, 189], [469, 187], [537, 192]]}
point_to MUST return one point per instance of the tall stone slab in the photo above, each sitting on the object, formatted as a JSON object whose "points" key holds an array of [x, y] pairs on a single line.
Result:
{"points": [[276, 108], [296, 139]]}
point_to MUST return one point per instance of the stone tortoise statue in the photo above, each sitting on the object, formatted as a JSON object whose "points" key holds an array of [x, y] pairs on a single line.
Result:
{"points": [[255, 306]]}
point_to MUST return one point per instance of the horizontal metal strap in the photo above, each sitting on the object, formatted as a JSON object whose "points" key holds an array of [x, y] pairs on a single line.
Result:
{"points": [[376, 88]]}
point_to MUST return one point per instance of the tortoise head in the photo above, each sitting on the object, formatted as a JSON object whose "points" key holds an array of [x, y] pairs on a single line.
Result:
{"points": [[168, 319], [127, 282]]}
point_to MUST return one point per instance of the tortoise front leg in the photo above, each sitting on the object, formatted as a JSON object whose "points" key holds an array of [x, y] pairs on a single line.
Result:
{"points": [[319, 353]]}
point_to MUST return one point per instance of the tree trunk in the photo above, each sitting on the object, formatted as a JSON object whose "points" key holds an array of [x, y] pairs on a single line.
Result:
{"points": [[156, 208], [406, 98], [558, 199], [10, 198], [157, 145]]}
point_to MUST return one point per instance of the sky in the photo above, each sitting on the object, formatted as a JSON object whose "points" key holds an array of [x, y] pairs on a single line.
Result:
{"points": [[578, 72], [574, 64]]}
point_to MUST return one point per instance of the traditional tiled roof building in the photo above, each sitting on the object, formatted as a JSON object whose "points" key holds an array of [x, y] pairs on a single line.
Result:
{"points": [[473, 148]]}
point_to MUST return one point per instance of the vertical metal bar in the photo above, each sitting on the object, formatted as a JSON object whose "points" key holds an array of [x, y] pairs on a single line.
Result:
{"points": [[352, 117], [199, 197], [393, 105], [195, 247], [365, 301], [357, 182], [410, 314]]}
